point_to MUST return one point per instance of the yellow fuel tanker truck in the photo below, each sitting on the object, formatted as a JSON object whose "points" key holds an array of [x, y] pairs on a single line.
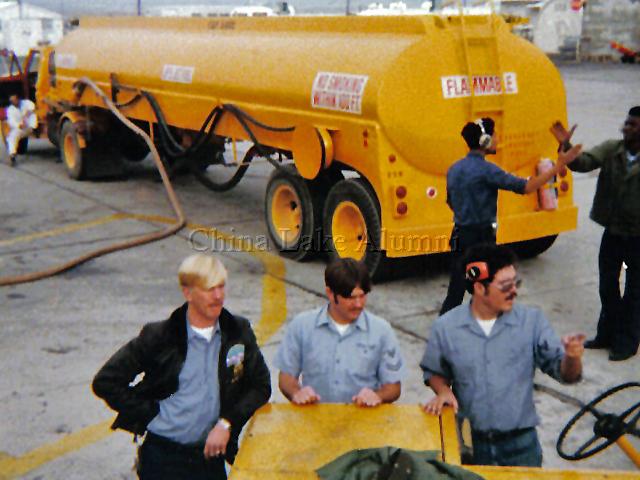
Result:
{"points": [[359, 116]]}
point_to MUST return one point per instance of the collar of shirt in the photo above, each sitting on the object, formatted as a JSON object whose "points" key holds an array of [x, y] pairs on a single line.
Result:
{"points": [[323, 319], [475, 156], [470, 322], [191, 333], [631, 159]]}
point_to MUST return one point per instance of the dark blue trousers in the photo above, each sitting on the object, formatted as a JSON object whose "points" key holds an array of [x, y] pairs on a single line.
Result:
{"points": [[162, 459], [521, 450], [462, 239], [619, 322]]}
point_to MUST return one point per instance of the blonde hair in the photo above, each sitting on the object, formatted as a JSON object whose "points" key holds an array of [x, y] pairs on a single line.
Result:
{"points": [[203, 271]]}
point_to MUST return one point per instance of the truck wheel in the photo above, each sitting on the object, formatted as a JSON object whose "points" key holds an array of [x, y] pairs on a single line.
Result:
{"points": [[352, 224], [133, 148], [70, 151], [52, 131], [533, 248], [292, 222], [222, 170]]}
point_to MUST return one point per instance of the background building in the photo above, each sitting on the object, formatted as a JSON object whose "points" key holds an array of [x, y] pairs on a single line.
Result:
{"points": [[23, 26]]}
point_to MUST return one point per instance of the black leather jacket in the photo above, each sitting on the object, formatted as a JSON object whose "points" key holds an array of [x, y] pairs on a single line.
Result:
{"points": [[159, 351]]}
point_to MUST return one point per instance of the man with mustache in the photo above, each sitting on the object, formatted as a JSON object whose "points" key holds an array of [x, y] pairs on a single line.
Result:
{"points": [[472, 193], [204, 377], [340, 353], [616, 206], [481, 357]]}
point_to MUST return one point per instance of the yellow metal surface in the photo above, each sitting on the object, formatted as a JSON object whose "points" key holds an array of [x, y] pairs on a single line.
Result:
{"points": [[284, 441], [394, 107], [628, 448], [349, 230], [312, 150], [521, 473], [286, 214]]}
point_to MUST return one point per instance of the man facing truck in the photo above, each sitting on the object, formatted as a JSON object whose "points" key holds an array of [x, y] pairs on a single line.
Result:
{"points": [[472, 194]]}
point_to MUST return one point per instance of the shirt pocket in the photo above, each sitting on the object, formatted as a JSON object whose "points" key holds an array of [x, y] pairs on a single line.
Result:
{"points": [[463, 364], [315, 361], [364, 364]]}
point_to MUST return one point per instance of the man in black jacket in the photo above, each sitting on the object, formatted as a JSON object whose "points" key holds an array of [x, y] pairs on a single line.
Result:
{"points": [[204, 377]]}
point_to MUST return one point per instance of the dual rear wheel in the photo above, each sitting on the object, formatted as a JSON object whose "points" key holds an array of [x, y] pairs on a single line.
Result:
{"points": [[331, 215]]}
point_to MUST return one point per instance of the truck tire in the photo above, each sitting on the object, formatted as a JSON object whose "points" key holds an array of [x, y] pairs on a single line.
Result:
{"points": [[52, 131], [70, 151], [217, 171], [133, 148], [533, 248], [293, 223], [352, 224]]}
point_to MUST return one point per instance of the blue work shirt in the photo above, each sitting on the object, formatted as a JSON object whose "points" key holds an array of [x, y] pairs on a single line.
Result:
{"points": [[472, 189], [338, 366], [190, 413], [492, 376]]}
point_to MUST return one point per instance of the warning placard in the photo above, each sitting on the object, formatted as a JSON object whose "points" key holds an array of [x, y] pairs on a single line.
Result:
{"points": [[66, 60], [338, 91], [177, 73], [457, 86]]}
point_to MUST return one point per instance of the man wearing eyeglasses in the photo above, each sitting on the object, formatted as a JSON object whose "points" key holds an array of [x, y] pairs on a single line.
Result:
{"points": [[481, 358]]}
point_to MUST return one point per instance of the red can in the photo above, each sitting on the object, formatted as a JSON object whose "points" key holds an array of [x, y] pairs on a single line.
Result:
{"points": [[547, 194]]}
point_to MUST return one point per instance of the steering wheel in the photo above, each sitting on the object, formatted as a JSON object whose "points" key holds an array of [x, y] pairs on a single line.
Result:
{"points": [[608, 427]]}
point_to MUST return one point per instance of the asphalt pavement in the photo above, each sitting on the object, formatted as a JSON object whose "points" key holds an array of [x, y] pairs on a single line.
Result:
{"points": [[57, 332]]}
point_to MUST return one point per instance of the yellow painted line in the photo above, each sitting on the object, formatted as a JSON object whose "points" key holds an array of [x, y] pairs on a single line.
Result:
{"points": [[15, 467], [272, 317], [62, 230]]}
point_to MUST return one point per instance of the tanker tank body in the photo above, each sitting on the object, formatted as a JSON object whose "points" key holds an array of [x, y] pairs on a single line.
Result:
{"points": [[360, 115]]}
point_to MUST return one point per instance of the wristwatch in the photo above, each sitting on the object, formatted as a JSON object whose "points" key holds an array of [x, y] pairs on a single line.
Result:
{"points": [[224, 423]]}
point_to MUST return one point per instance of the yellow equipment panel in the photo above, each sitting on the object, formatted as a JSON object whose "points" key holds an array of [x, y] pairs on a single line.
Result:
{"points": [[286, 441]]}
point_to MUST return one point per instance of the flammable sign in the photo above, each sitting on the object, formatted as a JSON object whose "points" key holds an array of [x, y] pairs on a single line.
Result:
{"points": [[458, 86]]}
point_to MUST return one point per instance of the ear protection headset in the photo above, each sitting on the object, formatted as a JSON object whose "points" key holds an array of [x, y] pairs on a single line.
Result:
{"points": [[477, 271], [485, 138]]}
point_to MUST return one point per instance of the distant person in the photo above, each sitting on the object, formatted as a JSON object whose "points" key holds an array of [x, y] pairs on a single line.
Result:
{"points": [[341, 353], [472, 194], [481, 357], [616, 206], [204, 377], [22, 120]]}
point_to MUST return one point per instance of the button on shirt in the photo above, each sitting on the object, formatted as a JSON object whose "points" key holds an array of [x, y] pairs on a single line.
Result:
{"points": [[338, 366], [189, 414], [492, 376], [472, 189]]}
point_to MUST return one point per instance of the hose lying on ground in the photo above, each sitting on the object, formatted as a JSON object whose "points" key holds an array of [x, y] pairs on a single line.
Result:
{"points": [[148, 238]]}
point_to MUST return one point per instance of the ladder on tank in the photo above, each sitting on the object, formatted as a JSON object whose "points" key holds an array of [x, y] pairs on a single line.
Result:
{"points": [[482, 60]]}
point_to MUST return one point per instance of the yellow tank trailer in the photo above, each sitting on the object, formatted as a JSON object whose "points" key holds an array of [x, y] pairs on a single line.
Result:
{"points": [[360, 116]]}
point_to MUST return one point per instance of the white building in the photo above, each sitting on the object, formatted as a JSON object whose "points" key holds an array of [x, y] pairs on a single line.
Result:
{"points": [[23, 26], [553, 25]]}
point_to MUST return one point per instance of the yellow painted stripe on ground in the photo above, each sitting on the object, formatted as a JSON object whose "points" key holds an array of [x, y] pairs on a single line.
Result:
{"points": [[272, 317], [15, 467], [62, 230]]}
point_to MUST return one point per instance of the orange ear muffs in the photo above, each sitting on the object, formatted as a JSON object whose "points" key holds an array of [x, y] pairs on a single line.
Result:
{"points": [[477, 271]]}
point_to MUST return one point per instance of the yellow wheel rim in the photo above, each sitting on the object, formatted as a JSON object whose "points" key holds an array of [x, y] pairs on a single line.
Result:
{"points": [[286, 215], [70, 152], [349, 231]]}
